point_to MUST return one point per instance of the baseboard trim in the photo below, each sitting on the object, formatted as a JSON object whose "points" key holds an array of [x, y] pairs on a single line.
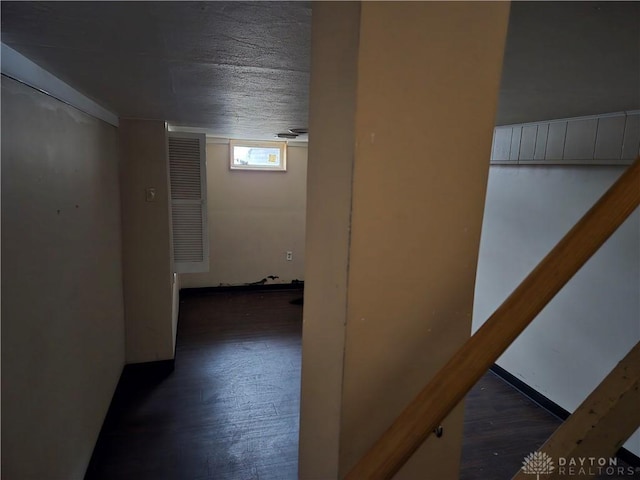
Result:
{"points": [[553, 408], [135, 376], [135, 380], [200, 291], [533, 395], [157, 368]]}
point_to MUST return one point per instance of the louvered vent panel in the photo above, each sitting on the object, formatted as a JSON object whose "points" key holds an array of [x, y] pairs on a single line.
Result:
{"points": [[184, 161], [187, 233], [187, 169]]}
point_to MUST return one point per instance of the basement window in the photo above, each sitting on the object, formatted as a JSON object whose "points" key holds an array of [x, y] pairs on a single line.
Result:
{"points": [[254, 155]]}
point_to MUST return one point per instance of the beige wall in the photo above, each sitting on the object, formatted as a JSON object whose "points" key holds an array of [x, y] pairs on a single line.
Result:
{"points": [[146, 242], [427, 80], [254, 218], [334, 50], [62, 308]]}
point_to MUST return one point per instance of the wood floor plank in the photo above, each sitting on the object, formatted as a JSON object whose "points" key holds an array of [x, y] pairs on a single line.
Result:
{"points": [[230, 409]]}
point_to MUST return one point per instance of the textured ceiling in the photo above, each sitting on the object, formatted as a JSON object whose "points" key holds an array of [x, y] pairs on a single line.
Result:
{"points": [[232, 67], [568, 59], [242, 69]]}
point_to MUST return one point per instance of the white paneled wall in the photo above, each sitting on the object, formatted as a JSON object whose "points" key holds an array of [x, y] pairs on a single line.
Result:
{"points": [[610, 139]]}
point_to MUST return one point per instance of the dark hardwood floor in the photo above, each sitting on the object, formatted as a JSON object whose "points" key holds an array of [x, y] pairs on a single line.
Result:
{"points": [[501, 427], [229, 409]]}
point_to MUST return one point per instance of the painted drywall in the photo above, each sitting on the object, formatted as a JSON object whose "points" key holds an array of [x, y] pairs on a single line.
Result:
{"points": [[62, 307], [595, 320], [412, 175], [146, 242], [419, 183], [254, 218], [175, 310], [334, 53]]}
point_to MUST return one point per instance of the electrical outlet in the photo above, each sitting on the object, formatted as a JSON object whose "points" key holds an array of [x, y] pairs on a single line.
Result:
{"points": [[289, 256]]}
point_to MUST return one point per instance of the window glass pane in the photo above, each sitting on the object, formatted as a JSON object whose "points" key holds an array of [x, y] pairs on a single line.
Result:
{"points": [[256, 156]]}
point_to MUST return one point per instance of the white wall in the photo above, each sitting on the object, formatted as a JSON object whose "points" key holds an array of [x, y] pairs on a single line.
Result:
{"points": [[595, 320], [62, 307], [254, 218]]}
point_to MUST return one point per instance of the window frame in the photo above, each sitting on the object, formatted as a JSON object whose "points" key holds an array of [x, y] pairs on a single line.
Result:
{"points": [[282, 146]]}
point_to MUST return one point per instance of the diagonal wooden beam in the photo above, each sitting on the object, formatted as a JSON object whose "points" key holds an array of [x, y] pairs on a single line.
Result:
{"points": [[600, 425], [452, 382]]}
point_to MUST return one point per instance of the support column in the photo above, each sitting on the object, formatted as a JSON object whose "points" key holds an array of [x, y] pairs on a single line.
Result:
{"points": [[398, 166], [146, 241], [334, 53]]}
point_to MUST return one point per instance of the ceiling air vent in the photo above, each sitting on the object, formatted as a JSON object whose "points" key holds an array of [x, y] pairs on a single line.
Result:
{"points": [[287, 135]]}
